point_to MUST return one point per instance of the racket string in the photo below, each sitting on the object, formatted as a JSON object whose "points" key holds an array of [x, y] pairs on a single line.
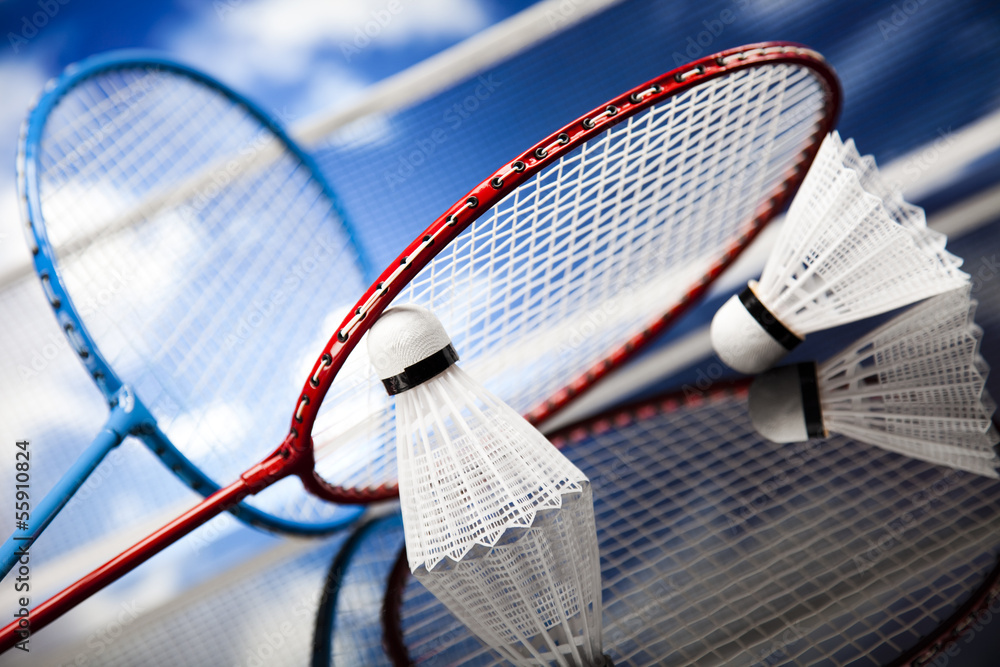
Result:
{"points": [[574, 260], [185, 262]]}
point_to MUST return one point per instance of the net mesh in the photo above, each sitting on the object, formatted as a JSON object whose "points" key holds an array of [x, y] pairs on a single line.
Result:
{"points": [[722, 548], [205, 283], [917, 385], [589, 251], [851, 247]]}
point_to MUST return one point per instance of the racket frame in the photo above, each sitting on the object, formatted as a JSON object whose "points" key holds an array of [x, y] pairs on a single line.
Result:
{"points": [[297, 448], [129, 416]]}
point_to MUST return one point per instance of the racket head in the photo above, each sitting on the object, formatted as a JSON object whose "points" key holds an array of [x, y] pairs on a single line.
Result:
{"points": [[148, 218], [727, 548], [488, 304], [347, 629]]}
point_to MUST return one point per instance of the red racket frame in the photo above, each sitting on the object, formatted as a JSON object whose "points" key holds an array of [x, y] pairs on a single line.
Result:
{"points": [[484, 196], [295, 454]]}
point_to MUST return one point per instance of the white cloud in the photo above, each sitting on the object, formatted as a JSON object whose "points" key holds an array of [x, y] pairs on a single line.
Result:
{"points": [[291, 26], [281, 42]]}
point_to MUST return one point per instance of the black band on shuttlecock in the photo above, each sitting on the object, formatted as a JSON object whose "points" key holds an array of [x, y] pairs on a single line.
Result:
{"points": [[771, 324], [422, 371], [811, 409]]}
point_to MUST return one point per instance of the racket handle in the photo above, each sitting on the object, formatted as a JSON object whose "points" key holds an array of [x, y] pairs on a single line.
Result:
{"points": [[17, 544], [125, 562]]}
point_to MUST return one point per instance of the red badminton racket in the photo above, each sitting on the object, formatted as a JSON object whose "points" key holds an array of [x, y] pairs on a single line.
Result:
{"points": [[555, 269]]}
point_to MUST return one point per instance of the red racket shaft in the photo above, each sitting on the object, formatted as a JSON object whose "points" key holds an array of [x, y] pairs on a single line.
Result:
{"points": [[139, 553]]}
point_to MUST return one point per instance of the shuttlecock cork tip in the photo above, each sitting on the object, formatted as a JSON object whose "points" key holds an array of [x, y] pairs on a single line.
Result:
{"points": [[784, 404], [747, 337], [408, 346]]}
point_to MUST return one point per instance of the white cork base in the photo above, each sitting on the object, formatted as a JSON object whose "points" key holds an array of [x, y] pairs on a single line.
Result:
{"points": [[741, 342]]}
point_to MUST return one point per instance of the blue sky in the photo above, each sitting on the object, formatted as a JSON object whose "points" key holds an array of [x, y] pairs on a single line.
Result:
{"points": [[295, 57]]}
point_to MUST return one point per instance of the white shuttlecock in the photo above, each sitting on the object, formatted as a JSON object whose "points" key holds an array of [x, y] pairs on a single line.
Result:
{"points": [[915, 386], [850, 248], [499, 525]]}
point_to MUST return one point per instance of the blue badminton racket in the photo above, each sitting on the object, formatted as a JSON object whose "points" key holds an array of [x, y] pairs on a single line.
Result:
{"points": [[172, 224]]}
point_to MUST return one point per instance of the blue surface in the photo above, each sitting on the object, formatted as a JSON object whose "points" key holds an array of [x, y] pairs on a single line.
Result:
{"points": [[910, 78]]}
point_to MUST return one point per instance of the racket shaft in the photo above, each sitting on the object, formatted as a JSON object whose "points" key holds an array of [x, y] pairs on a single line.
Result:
{"points": [[54, 501], [125, 562]]}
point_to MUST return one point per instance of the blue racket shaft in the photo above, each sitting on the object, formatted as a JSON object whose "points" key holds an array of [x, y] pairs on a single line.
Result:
{"points": [[43, 513]]}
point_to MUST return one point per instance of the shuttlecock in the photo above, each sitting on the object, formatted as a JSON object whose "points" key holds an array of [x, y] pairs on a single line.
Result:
{"points": [[850, 248], [915, 386], [499, 525]]}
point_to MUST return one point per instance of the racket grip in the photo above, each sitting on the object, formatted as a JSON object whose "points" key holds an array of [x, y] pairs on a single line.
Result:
{"points": [[18, 543], [122, 564]]}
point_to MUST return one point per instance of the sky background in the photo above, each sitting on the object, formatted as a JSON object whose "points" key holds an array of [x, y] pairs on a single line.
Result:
{"points": [[295, 57], [908, 77]]}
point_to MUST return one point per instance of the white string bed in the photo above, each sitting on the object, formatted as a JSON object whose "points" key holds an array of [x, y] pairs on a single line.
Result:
{"points": [[589, 252]]}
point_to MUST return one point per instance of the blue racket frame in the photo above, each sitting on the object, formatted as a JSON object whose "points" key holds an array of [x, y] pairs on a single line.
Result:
{"points": [[129, 416]]}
